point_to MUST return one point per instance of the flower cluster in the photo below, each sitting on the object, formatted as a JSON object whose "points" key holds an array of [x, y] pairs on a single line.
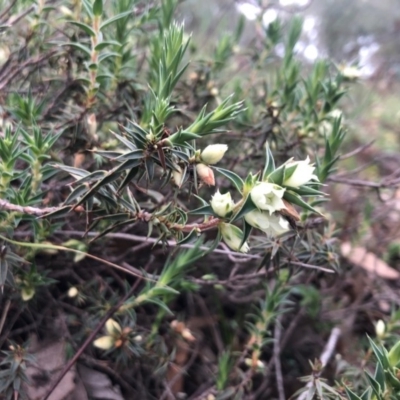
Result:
{"points": [[265, 202], [116, 336], [212, 154]]}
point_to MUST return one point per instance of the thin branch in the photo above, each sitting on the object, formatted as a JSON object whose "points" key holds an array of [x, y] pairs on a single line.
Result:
{"points": [[393, 183], [91, 337], [5, 12], [4, 315], [5, 205], [277, 359], [357, 150]]}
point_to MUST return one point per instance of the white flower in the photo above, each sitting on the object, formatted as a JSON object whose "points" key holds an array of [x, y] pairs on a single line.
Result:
{"points": [[206, 174], [278, 225], [213, 153], [272, 225], [233, 236], [267, 196], [104, 342], [258, 219], [222, 204], [302, 173], [351, 72]]}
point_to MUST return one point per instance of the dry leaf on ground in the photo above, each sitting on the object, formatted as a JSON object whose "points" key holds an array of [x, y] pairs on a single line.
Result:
{"points": [[369, 261]]}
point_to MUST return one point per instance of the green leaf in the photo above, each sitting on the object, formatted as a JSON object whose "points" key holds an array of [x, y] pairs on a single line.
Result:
{"points": [[76, 193], [79, 47], [277, 176], [84, 27], [131, 155], [205, 210], [366, 395], [380, 353], [351, 395], [269, 162], [247, 206], [293, 198], [75, 172], [115, 18], [374, 384], [94, 176], [394, 355], [62, 212], [392, 379], [379, 375], [98, 8], [106, 43], [247, 228], [234, 178], [129, 176], [305, 191], [190, 238]]}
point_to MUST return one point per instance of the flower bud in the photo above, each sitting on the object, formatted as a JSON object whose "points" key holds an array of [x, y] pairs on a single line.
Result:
{"points": [[177, 176], [27, 293], [73, 292], [222, 204], [206, 174], [298, 173], [112, 327], [268, 196], [350, 72], [213, 153], [187, 335], [380, 329], [92, 125], [233, 237], [104, 342]]}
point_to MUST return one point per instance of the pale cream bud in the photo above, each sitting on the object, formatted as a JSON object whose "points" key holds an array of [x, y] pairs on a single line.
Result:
{"points": [[206, 174], [27, 293], [187, 335], [104, 342], [380, 329], [112, 327], [213, 153], [177, 176], [73, 292]]}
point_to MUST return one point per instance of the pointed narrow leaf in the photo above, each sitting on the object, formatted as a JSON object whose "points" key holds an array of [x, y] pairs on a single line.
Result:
{"points": [[84, 27], [115, 18], [205, 210], [296, 199], [234, 178], [248, 206], [247, 228], [190, 238], [352, 395], [269, 162]]}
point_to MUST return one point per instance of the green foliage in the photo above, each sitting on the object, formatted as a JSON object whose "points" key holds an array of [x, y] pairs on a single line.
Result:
{"points": [[119, 138]]}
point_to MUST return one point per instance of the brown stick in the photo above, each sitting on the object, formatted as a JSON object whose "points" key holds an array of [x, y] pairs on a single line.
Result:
{"points": [[90, 338]]}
